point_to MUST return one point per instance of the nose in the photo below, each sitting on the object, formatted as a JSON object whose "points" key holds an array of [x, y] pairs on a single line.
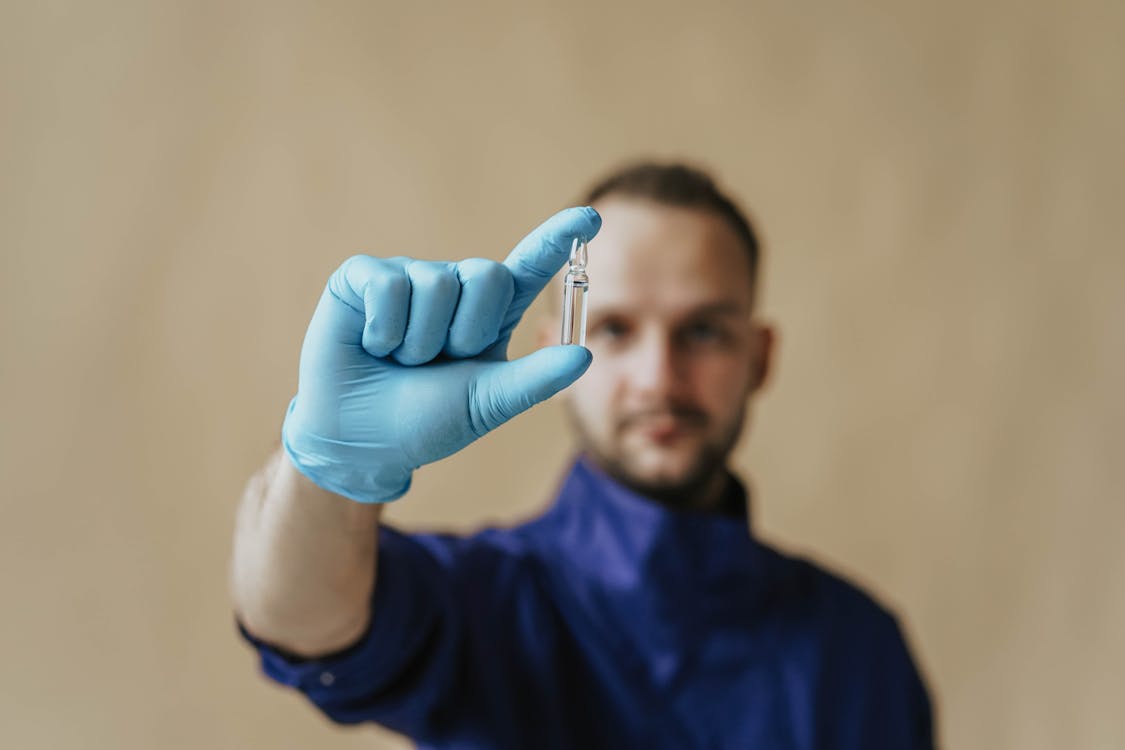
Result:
{"points": [[655, 370]]}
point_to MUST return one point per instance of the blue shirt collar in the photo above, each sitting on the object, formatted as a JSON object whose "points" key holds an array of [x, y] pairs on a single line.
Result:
{"points": [[653, 560]]}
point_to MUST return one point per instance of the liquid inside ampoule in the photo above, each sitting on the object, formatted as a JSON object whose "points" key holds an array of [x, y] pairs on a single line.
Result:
{"points": [[575, 287]]}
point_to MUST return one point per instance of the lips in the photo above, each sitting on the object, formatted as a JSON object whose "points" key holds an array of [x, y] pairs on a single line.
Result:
{"points": [[663, 425]]}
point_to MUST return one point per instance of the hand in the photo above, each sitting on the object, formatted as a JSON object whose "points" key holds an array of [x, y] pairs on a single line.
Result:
{"points": [[405, 361]]}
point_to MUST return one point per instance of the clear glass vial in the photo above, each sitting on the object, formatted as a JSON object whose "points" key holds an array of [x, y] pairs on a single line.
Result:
{"points": [[575, 287]]}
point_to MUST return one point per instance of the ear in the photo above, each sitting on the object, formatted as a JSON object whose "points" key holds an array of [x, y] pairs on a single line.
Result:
{"points": [[762, 355]]}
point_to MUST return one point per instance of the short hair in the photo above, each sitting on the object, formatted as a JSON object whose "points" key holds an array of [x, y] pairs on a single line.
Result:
{"points": [[681, 185]]}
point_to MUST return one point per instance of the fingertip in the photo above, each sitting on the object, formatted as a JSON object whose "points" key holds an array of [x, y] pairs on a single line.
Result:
{"points": [[375, 345], [582, 222], [572, 360], [581, 353], [576, 221], [593, 219]]}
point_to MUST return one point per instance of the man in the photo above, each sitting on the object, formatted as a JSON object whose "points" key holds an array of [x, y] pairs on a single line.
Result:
{"points": [[639, 610]]}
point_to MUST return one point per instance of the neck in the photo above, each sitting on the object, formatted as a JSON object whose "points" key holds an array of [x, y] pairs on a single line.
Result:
{"points": [[713, 494]]}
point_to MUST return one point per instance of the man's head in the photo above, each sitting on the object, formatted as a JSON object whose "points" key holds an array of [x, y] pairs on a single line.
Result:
{"points": [[676, 351]]}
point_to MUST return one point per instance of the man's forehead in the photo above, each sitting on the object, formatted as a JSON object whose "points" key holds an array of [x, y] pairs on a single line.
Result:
{"points": [[680, 255]]}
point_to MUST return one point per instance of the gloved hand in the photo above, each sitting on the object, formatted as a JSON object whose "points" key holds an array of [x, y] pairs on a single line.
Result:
{"points": [[405, 361]]}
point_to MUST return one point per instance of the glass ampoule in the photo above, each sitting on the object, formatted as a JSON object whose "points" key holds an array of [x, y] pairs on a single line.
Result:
{"points": [[575, 287]]}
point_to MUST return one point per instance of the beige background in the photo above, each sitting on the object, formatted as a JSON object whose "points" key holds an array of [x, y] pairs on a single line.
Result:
{"points": [[940, 188]]}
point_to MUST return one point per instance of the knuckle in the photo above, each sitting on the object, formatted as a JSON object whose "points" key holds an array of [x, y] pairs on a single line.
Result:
{"points": [[354, 260], [479, 268], [388, 281], [481, 273], [340, 282], [358, 267], [432, 276]]}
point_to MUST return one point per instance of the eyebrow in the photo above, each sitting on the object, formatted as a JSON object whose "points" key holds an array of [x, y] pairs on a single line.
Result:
{"points": [[719, 308]]}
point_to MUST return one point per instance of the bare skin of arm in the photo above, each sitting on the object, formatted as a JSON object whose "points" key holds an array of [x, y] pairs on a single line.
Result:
{"points": [[303, 566]]}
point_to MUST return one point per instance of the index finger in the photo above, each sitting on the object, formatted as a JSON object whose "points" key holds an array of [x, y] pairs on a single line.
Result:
{"points": [[539, 255]]}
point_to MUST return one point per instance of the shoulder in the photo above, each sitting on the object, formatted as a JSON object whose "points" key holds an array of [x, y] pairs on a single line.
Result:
{"points": [[854, 643], [830, 602]]}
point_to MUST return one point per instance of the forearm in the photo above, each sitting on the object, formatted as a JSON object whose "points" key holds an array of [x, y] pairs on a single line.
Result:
{"points": [[303, 567]]}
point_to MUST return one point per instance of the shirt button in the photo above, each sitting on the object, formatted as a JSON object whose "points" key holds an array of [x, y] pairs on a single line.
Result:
{"points": [[327, 678]]}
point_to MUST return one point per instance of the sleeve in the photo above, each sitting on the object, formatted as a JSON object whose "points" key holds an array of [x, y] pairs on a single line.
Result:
{"points": [[403, 672]]}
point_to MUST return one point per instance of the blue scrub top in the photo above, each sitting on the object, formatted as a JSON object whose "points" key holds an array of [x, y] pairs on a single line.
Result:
{"points": [[612, 621]]}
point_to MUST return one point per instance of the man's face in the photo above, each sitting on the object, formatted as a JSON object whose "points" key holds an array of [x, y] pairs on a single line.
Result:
{"points": [[676, 354]]}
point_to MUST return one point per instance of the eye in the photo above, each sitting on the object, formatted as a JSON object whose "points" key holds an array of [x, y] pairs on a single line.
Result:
{"points": [[611, 329], [704, 332]]}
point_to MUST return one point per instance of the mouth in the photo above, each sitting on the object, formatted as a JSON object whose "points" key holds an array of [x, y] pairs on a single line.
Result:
{"points": [[664, 426]]}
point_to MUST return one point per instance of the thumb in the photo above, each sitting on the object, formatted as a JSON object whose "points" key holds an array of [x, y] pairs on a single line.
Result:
{"points": [[505, 389]]}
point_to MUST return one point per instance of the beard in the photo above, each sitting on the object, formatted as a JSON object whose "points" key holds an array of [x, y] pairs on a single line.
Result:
{"points": [[705, 468]]}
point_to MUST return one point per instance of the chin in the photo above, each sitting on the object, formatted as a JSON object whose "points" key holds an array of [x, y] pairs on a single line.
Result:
{"points": [[674, 473], [664, 463], [663, 476]]}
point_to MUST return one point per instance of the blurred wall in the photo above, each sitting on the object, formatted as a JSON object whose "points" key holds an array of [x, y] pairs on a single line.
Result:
{"points": [[940, 188]]}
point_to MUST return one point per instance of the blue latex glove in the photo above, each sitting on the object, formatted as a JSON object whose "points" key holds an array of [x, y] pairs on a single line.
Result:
{"points": [[405, 361]]}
